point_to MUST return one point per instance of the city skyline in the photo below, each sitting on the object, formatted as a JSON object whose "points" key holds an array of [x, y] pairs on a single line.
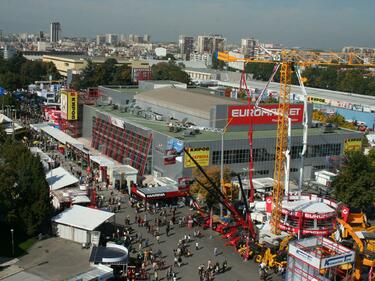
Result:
{"points": [[320, 24]]}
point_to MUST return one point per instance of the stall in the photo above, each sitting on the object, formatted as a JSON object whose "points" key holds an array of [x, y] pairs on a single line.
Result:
{"points": [[121, 176], [77, 223], [168, 192]]}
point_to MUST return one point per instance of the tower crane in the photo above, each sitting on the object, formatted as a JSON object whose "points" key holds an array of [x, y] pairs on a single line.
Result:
{"points": [[290, 61]]}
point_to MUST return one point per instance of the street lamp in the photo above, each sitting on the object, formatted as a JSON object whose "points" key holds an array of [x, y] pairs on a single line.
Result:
{"points": [[222, 163], [11, 231]]}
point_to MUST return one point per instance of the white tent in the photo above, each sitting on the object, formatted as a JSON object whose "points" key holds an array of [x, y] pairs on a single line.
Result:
{"points": [[77, 223], [59, 178]]}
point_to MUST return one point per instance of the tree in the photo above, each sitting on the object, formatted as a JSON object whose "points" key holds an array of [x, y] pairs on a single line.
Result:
{"points": [[18, 72], [25, 203], [169, 71], [107, 73], [217, 64], [214, 174], [355, 184]]}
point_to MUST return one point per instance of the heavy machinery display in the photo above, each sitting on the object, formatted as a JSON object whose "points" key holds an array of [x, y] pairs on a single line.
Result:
{"points": [[291, 61], [363, 242]]}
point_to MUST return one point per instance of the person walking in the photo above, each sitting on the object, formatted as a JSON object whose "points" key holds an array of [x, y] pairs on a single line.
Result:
{"points": [[158, 238], [215, 252], [197, 245]]}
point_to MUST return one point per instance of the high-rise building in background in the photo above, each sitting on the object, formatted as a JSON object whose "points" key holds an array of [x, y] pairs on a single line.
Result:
{"points": [[1, 35], [111, 39], [41, 36], [131, 38], [248, 46], [186, 45], [210, 43], [203, 44], [146, 38], [55, 32], [100, 39]]}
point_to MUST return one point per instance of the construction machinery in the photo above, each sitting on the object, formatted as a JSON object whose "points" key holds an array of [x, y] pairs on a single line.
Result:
{"points": [[290, 61], [364, 246]]}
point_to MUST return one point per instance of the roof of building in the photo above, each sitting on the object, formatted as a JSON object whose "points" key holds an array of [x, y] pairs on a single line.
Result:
{"points": [[55, 133], [161, 127], [185, 101], [59, 178], [233, 78], [83, 217]]}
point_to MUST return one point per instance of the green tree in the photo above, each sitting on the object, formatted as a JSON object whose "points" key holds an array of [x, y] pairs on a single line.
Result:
{"points": [[169, 71], [217, 64], [25, 203], [355, 184], [213, 172]]}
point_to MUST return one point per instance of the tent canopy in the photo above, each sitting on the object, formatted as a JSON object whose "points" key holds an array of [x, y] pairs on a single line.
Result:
{"points": [[82, 217], [59, 178]]}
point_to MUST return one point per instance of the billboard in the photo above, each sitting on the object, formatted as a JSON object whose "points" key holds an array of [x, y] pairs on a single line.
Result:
{"points": [[316, 100], [200, 154], [69, 105], [242, 114], [353, 145]]}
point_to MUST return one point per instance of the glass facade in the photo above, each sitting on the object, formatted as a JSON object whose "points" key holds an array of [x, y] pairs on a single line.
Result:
{"points": [[237, 156]]}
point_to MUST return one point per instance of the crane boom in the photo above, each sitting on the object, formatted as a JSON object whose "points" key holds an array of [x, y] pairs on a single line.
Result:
{"points": [[288, 60]]}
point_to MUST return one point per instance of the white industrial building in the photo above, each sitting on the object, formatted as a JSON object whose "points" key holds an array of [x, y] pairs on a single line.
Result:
{"points": [[78, 223]]}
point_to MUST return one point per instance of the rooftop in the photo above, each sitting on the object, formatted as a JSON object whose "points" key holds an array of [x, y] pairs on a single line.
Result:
{"points": [[161, 126], [192, 102], [82, 217]]}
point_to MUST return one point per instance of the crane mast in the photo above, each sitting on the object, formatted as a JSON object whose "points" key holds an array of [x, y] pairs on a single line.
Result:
{"points": [[281, 145], [288, 59]]}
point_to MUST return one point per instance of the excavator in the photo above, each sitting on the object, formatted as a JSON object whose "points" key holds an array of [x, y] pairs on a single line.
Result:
{"points": [[364, 246]]}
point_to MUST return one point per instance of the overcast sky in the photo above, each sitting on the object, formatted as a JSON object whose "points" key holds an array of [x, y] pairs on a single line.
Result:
{"points": [[305, 23]]}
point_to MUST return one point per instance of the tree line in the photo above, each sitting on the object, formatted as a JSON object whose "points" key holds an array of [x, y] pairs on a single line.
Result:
{"points": [[25, 202], [112, 73], [334, 78], [18, 72]]}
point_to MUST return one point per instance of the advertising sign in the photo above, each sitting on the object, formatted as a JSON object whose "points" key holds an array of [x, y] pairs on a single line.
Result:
{"points": [[69, 105], [200, 154], [64, 105], [316, 100], [304, 256], [337, 260], [242, 114], [352, 145]]}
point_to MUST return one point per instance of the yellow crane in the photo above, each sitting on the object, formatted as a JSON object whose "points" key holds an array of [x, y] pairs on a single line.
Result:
{"points": [[289, 60]]}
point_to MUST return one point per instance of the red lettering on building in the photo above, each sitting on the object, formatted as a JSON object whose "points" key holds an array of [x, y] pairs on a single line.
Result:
{"points": [[242, 114]]}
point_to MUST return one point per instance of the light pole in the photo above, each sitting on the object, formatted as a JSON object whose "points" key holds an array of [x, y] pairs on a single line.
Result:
{"points": [[11, 232], [222, 162]]}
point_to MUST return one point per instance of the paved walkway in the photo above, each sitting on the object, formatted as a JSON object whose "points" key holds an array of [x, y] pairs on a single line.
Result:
{"points": [[238, 269]]}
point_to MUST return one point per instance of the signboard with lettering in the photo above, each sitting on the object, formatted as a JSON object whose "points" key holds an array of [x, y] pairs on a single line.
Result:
{"points": [[337, 260], [316, 100], [304, 256], [200, 154], [241, 114], [69, 105], [353, 145]]}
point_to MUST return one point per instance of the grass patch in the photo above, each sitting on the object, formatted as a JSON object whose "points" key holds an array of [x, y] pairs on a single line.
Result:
{"points": [[24, 246]]}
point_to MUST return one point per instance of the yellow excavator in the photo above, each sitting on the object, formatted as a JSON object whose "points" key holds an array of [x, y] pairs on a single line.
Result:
{"points": [[364, 246]]}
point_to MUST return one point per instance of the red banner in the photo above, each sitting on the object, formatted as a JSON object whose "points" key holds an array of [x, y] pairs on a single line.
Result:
{"points": [[241, 114]]}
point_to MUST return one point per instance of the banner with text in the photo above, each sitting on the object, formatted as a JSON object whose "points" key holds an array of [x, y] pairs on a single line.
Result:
{"points": [[200, 154], [241, 114]]}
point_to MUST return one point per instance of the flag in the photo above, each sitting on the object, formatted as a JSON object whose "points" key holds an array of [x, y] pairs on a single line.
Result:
{"points": [[2, 91]]}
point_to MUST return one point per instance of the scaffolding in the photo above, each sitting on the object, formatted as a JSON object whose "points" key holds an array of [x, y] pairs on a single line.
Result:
{"points": [[317, 259]]}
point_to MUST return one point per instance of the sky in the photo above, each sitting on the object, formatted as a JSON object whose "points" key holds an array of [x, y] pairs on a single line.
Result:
{"points": [[326, 24]]}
